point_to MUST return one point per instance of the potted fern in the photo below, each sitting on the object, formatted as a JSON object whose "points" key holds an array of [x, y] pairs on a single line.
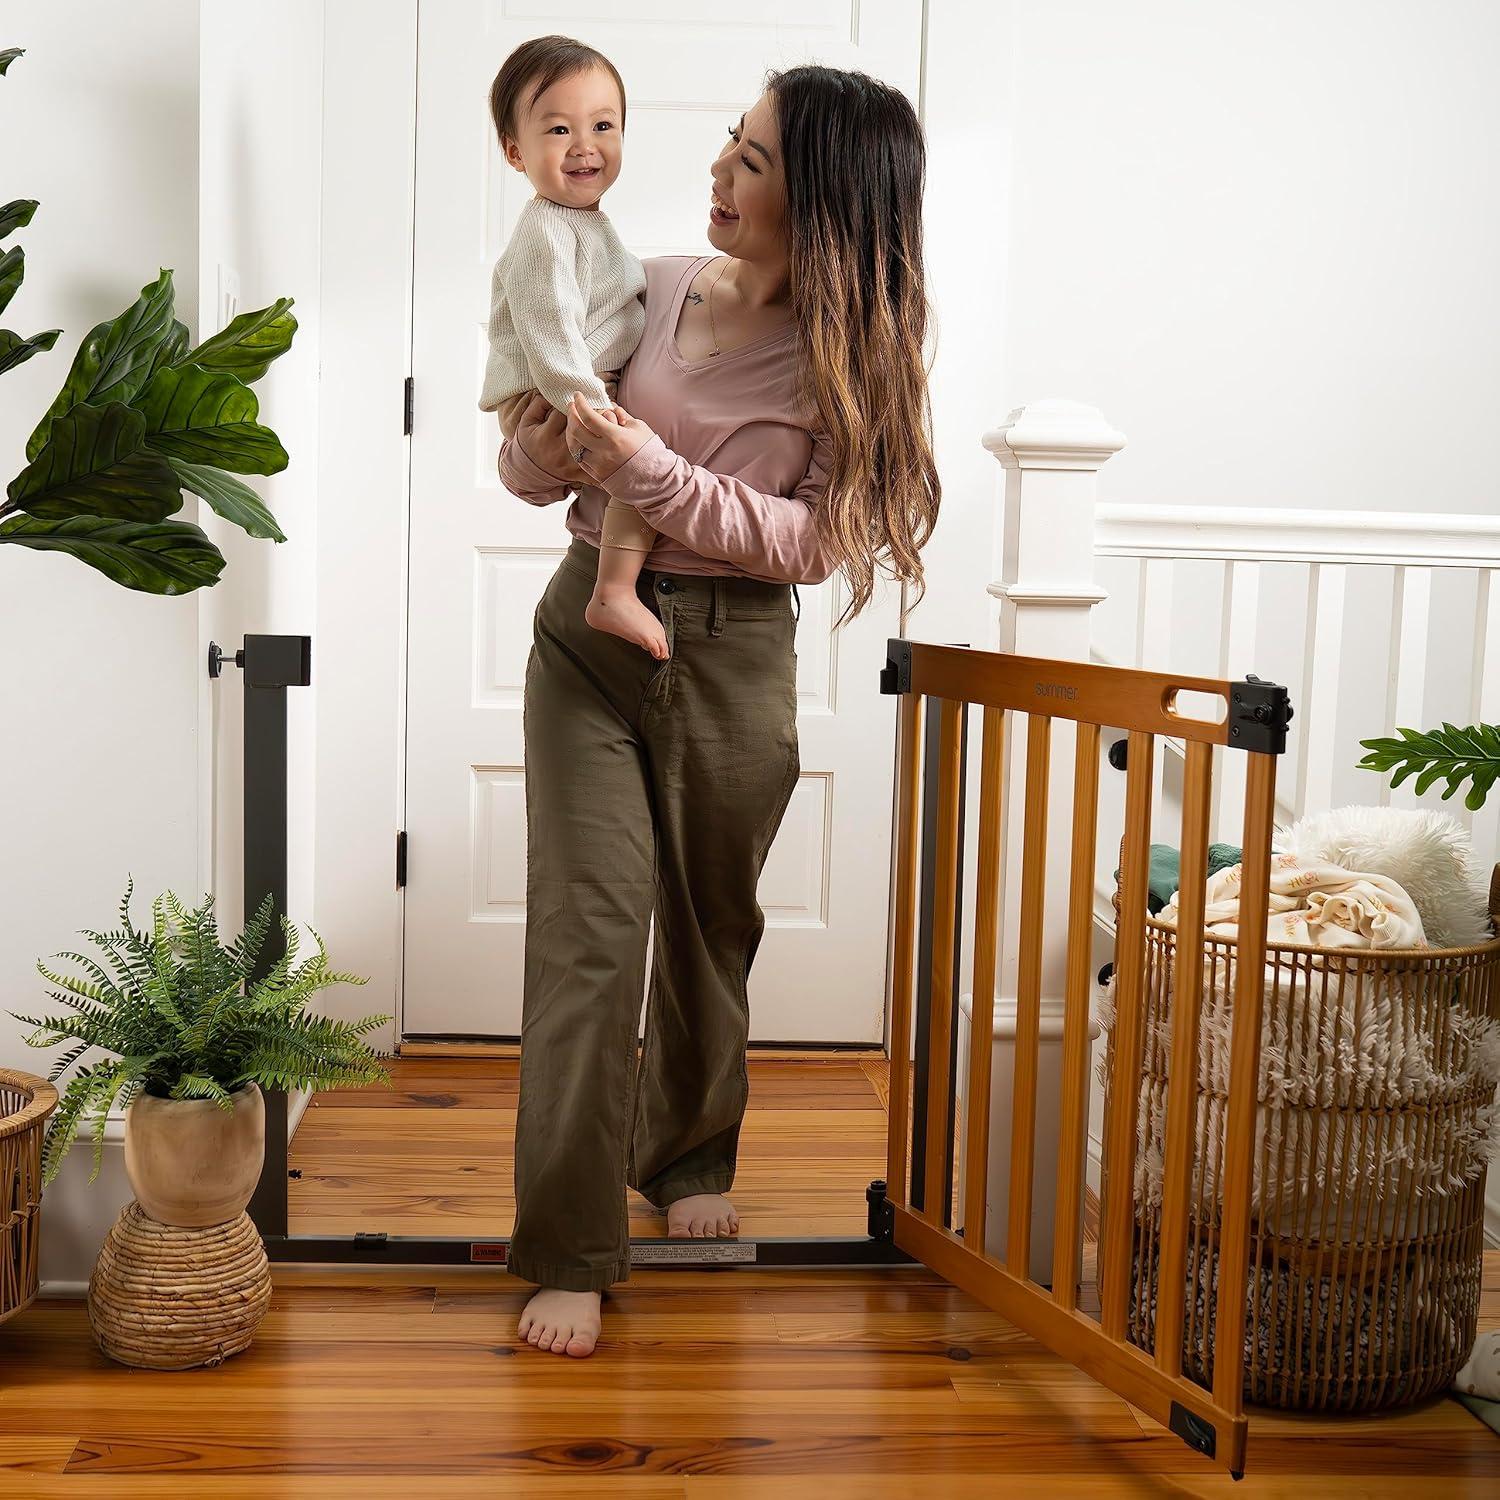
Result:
{"points": [[194, 1041]]}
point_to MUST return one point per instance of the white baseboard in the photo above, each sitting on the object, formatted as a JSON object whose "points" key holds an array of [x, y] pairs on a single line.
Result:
{"points": [[61, 1291]]}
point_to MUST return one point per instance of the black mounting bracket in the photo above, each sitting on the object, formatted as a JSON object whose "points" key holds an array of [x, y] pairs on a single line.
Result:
{"points": [[1258, 715], [895, 675], [1193, 1430]]}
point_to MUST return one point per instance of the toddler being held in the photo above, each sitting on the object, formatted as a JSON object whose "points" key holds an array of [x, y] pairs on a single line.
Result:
{"points": [[566, 308]]}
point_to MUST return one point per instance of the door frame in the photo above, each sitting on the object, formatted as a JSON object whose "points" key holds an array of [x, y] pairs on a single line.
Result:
{"points": [[364, 490]]}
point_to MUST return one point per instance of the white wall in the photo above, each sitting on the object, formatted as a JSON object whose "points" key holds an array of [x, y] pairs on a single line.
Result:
{"points": [[98, 684], [1260, 236], [260, 181]]}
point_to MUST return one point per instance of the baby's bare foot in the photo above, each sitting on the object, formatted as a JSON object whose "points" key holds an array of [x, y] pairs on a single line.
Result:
{"points": [[562, 1321], [620, 612], [702, 1216]]}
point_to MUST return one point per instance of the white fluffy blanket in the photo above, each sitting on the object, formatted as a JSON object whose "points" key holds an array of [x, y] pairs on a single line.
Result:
{"points": [[1314, 902]]}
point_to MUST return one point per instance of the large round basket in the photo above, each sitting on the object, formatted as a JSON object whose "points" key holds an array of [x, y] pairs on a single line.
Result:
{"points": [[25, 1104], [1374, 1124]]}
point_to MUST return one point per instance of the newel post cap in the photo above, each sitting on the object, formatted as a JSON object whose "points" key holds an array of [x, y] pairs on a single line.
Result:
{"points": [[1054, 434]]}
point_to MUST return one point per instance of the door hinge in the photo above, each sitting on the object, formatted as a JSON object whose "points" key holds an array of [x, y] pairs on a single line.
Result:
{"points": [[406, 407], [400, 858]]}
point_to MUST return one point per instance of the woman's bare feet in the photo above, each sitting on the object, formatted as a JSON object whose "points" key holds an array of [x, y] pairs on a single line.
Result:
{"points": [[619, 611], [562, 1321], [702, 1216]]}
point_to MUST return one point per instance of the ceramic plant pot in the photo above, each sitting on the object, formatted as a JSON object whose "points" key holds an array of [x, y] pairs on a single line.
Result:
{"points": [[192, 1163]]}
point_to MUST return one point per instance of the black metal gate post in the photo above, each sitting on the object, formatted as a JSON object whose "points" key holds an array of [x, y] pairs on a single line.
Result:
{"points": [[272, 664]]}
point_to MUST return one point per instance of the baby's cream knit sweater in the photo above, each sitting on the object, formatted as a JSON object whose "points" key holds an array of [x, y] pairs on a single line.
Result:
{"points": [[565, 301]]}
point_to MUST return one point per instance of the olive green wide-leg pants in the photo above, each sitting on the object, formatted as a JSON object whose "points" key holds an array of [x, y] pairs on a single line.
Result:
{"points": [[652, 788]]}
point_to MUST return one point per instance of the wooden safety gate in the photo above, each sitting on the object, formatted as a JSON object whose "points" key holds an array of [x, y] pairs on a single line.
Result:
{"points": [[918, 1206]]}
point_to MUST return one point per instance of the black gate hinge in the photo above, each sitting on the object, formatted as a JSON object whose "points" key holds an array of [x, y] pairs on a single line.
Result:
{"points": [[400, 858], [895, 675], [1258, 715], [406, 405]]}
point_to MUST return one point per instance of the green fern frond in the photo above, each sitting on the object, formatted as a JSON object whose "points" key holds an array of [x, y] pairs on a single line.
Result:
{"points": [[195, 1086], [1451, 754]]}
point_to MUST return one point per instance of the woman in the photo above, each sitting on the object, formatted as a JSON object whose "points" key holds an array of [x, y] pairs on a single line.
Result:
{"points": [[773, 426]]}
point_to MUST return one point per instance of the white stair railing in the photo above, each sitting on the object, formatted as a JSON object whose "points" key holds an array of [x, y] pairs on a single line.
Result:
{"points": [[1371, 619]]}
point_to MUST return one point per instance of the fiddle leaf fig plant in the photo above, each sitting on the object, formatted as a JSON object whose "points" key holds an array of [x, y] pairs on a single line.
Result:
{"points": [[1456, 755], [141, 417], [184, 1020]]}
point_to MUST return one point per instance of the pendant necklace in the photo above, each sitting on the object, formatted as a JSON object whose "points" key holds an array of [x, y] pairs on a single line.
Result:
{"points": [[713, 330]]}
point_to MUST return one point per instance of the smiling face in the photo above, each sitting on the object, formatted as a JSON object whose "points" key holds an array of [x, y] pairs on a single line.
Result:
{"points": [[569, 141], [747, 212]]}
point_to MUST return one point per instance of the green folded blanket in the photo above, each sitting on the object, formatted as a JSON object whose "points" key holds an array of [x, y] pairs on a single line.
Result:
{"points": [[1166, 865]]}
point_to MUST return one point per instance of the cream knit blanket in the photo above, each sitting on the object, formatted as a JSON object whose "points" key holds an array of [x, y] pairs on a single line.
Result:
{"points": [[1317, 903]]}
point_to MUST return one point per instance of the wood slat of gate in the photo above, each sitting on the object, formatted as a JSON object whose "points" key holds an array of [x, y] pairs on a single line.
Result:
{"points": [[1028, 995], [908, 789], [1182, 1109], [940, 1027], [1074, 1111], [982, 1003], [1123, 1104], [1244, 1070]]}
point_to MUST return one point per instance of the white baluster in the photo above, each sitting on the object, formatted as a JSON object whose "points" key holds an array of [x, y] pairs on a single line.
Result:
{"points": [[1318, 713], [1413, 605]]}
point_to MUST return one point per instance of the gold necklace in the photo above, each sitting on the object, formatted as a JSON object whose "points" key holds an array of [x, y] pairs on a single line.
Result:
{"points": [[712, 328]]}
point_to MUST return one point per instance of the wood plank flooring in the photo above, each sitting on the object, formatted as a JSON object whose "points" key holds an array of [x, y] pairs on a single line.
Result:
{"points": [[434, 1155], [707, 1385]]}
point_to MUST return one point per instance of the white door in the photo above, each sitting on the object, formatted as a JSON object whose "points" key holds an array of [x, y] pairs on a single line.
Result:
{"points": [[480, 558]]}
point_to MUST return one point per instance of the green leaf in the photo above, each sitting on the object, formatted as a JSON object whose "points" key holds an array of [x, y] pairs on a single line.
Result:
{"points": [[208, 419], [16, 215], [248, 344], [114, 361], [161, 557], [232, 498], [12, 274], [94, 463], [8, 56], [1453, 753], [14, 350], [169, 350]]}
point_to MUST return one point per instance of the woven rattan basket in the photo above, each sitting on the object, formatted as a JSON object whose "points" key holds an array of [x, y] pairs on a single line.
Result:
{"points": [[25, 1104], [1376, 1110]]}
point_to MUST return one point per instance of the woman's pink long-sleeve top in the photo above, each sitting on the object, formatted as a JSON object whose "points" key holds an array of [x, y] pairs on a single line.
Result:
{"points": [[746, 508]]}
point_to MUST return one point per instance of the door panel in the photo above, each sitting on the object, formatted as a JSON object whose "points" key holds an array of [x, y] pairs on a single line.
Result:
{"points": [[480, 558]]}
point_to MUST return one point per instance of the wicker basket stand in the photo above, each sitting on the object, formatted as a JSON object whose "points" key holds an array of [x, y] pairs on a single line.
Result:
{"points": [[26, 1102]]}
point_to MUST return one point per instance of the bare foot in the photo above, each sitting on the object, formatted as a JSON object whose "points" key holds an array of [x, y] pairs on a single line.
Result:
{"points": [[703, 1216], [619, 611], [562, 1321]]}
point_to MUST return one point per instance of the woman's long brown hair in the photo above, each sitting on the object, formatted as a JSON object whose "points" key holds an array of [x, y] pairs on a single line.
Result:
{"points": [[855, 164]]}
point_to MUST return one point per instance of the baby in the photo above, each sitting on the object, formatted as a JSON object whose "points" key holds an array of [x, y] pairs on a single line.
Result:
{"points": [[566, 308]]}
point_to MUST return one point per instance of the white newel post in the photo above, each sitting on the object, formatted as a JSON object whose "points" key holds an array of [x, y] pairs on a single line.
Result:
{"points": [[1051, 452]]}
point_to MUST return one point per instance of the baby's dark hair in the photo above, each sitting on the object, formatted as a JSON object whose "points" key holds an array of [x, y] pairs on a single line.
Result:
{"points": [[533, 68]]}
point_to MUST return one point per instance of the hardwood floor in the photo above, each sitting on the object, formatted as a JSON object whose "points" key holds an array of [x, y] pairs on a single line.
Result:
{"points": [[434, 1154], [707, 1385]]}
